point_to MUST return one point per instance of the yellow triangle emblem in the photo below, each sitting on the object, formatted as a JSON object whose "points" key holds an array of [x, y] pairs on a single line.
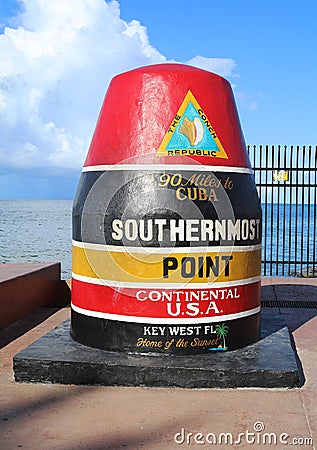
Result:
{"points": [[191, 133]]}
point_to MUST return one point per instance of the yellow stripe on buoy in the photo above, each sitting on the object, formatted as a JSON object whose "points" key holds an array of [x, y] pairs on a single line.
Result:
{"points": [[172, 267]]}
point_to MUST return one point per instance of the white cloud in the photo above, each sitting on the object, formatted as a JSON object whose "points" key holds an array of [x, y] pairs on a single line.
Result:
{"points": [[55, 68], [246, 101], [221, 66]]}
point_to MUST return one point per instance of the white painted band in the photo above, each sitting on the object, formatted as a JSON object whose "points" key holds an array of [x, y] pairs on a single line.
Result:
{"points": [[164, 285], [159, 250], [154, 320], [160, 167]]}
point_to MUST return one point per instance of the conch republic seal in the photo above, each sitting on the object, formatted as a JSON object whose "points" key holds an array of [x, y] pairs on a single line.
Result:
{"points": [[167, 219]]}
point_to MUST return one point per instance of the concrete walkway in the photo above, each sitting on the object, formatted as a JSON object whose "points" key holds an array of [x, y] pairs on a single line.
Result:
{"points": [[38, 416]]}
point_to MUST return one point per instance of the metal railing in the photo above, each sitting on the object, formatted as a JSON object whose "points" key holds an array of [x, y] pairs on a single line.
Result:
{"points": [[286, 178]]}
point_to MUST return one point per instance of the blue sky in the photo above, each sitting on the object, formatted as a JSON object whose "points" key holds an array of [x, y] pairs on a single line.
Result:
{"points": [[57, 58]]}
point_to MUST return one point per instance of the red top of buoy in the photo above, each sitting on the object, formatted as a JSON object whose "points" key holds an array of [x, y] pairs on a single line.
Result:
{"points": [[168, 114]]}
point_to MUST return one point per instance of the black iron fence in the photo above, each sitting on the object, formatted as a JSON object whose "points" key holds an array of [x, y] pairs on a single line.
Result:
{"points": [[286, 177]]}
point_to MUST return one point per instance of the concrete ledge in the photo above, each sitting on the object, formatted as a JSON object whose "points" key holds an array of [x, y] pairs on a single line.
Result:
{"points": [[25, 287], [272, 281], [57, 358]]}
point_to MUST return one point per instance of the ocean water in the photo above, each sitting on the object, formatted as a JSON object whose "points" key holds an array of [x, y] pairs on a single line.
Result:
{"points": [[40, 231], [36, 231], [289, 239]]}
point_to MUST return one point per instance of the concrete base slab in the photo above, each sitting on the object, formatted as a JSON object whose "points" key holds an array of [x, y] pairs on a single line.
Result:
{"points": [[57, 358]]}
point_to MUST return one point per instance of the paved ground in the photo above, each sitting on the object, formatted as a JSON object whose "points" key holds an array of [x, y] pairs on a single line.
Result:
{"points": [[38, 416]]}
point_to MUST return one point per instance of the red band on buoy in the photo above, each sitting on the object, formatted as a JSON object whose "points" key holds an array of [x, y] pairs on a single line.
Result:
{"points": [[146, 305], [141, 105]]}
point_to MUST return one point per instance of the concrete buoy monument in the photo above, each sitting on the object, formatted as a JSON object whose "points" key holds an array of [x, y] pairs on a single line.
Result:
{"points": [[166, 248], [167, 220]]}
